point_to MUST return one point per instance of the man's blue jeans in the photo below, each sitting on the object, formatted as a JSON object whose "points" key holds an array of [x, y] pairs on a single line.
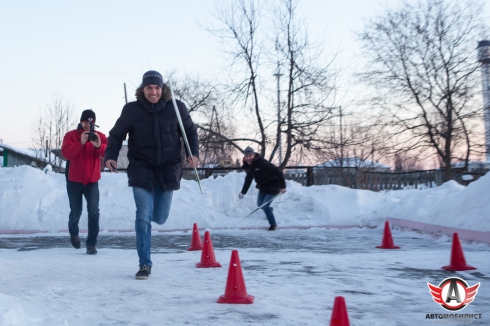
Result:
{"points": [[262, 198], [151, 206], [76, 192]]}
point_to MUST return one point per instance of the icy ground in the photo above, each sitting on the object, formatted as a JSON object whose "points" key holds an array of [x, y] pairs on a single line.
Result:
{"points": [[293, 274]]}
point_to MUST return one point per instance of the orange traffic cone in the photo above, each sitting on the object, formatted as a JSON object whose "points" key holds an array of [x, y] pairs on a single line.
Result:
{"points": [[196, 243], [235, 291], [207, 257], [387, 239], [339, 313], [458, 262]]}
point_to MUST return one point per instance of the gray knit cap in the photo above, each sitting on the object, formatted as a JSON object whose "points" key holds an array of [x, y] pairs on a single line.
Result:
{"points": [[249, 150], [152, 77]]}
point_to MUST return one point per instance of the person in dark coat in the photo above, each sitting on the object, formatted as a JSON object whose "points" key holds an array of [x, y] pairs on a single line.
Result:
{"points": [[269, 180], [83, 151], [154, 154]]}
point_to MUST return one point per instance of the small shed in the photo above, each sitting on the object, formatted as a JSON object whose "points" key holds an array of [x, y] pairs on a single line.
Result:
{"points": [[18, 156]]}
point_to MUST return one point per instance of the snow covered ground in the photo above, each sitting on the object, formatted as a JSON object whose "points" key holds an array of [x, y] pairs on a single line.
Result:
{"points": [[294, 272]]}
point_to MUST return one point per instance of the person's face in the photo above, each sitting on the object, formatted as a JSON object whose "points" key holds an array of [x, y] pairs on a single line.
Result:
{"points": [[86, 125], [249, 158], [152, 93]]}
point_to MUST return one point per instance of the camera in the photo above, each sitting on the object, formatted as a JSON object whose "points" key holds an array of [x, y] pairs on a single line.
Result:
{"points": [[91, 135]]}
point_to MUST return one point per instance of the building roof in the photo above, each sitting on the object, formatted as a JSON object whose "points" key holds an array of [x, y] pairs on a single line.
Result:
{"points": [[471, 163], [353, 162], [26, 152], [21, 151]]}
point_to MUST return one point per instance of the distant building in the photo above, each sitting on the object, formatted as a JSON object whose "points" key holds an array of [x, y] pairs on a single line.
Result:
{"points": [[122, 159], [473, 167], [294, 171], [355, 162], [11, 156]]}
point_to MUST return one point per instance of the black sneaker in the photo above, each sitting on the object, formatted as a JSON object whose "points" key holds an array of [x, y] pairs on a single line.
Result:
{"points": [[272, 227], [143, 273], [75, 241], [91, 250]]}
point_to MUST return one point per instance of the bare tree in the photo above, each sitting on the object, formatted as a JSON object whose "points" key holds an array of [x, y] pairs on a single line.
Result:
{"points": [[216, 131], [351, 142], [198, 94], [421, 61], [404, 162], [215, 140], [238, 32], [49, 128], [308, 82]]}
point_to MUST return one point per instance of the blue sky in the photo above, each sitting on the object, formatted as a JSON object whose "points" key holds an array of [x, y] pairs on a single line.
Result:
{"points": [[86, 50]]}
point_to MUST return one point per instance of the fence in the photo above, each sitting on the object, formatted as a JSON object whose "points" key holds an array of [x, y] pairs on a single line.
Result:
{"points": [[350, 177]]}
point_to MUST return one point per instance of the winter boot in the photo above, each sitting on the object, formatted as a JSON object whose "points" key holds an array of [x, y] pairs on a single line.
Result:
{"points": [[143, 273], [91, 250], [75, 241], [272, 227]]}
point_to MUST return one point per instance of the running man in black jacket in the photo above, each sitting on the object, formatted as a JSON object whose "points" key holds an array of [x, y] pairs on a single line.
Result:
{"points": [[154, 154], [269, 179]]}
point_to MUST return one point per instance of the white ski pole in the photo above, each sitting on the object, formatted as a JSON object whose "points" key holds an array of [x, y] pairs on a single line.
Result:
{"points": [[177, 113], [259, 208]]}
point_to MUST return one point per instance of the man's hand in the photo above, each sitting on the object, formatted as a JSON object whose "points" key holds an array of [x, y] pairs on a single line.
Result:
{"points": [[84, 138], [282, 191], [111, 165], [96, 142], [193, 162], [240, 195]]}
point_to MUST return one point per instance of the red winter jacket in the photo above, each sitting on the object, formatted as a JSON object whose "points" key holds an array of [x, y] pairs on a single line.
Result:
{"points": [[84, 160]]}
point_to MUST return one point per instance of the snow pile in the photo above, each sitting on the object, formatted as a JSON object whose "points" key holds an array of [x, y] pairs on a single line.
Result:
{"points": [[31, 199]]}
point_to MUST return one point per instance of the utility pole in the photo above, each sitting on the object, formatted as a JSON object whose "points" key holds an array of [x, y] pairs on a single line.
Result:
{"points": [[125, 94], [484, 59], [341, 139], [278, 75]]}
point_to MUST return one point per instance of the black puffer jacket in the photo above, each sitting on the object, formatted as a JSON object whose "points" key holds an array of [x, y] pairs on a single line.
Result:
{"points": [[268, 177], [154, 145]]}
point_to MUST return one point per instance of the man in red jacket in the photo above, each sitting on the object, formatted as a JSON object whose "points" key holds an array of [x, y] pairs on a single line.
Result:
{"points": [[83, 148]]}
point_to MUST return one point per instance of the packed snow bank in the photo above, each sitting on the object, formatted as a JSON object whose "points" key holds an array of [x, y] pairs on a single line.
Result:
{"points": [[31, 199]]}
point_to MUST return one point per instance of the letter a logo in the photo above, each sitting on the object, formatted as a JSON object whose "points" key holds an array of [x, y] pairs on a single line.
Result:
{"points": [[453, 293]]}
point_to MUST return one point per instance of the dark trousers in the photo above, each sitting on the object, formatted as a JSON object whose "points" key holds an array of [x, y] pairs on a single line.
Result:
{"points": [[262, 198], [76, 192]]}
